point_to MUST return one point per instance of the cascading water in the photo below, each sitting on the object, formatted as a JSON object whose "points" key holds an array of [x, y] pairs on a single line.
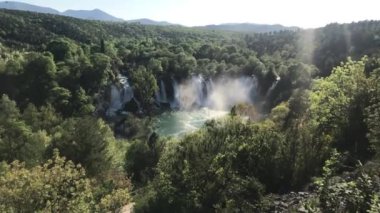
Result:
{"points": [[161, 96], [271, 88], [175, 103], [121, 93], [199, 99], [226, 92], [164, 97]]}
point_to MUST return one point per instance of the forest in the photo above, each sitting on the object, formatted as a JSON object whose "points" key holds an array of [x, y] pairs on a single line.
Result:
{"points": [[80, 101]]}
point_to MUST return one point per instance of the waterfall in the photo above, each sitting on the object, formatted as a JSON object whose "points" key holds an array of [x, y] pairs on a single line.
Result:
{"points": [[115, 101], [161, 96], [163, 92], [198, 92], [175, 103], [120, 94], [198, 85], [126, 92], [271, 88]]}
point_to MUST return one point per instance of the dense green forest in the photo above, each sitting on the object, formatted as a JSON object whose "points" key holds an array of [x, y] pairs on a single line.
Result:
{"points": [[309, 144]]}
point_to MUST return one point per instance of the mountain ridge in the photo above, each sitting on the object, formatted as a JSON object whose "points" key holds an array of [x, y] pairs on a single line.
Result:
{"points": [[97, 14], [14, 5], [146, 21]]}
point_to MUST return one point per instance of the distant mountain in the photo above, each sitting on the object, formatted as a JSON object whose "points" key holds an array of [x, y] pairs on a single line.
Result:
{"points": [[249, 28], [97, 14], [91, 15], [12, 5], [82, 14], [146, 21]]}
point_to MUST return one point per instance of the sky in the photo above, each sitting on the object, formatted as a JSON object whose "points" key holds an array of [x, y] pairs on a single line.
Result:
{"points": [[301, 13]]}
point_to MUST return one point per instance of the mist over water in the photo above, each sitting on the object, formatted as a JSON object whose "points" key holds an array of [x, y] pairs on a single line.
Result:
{"points": [[192, 101], [219, 94], [197, 100], [228, 92]]}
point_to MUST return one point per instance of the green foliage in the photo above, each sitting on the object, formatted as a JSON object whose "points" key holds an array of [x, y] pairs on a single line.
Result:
{"points": [[375, 204], [227, 166], [114, 201], [224, 167], [17, 140], [44, 118], [142, 157], [87, 141], [356, 193], [56, 186], [144, 85], [337, 108], [372, 112], [62, 49], [137, 128]]}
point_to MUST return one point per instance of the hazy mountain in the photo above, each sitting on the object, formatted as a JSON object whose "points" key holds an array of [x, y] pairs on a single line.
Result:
{"points": [[97, 14], [91, 15], [83, 14], [248, 27], [146, 21], [12, 5]]}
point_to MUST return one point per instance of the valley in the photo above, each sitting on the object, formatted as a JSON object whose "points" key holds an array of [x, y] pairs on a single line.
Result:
{"points": [[100, 115]]}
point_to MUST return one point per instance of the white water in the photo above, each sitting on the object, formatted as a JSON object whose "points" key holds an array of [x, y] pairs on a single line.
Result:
{"points": [[219, 94], [121, 94], [273, 86], [195, 100], [161, 96], [199, 100]]}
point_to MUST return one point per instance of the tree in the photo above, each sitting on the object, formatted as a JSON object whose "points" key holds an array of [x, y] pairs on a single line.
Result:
{"points": [[223, 167], [17, 140], [142, 157], [155, 66], [98, 74], [62, 49], [87, 141], [372, 112], [56, 186], [335, 100], [44, 118], [38, 79], [144, 85]]}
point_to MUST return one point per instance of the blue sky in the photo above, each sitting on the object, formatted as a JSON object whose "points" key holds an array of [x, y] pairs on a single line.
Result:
{"points": [[303, 13]]}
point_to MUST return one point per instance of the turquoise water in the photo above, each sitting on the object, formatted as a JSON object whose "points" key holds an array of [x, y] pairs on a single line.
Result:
{"points": [[177, 123]]}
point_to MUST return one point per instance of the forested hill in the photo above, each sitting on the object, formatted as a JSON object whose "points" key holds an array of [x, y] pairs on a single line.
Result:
{"points": [[308, 142], [19, 28], [324, 47]]}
